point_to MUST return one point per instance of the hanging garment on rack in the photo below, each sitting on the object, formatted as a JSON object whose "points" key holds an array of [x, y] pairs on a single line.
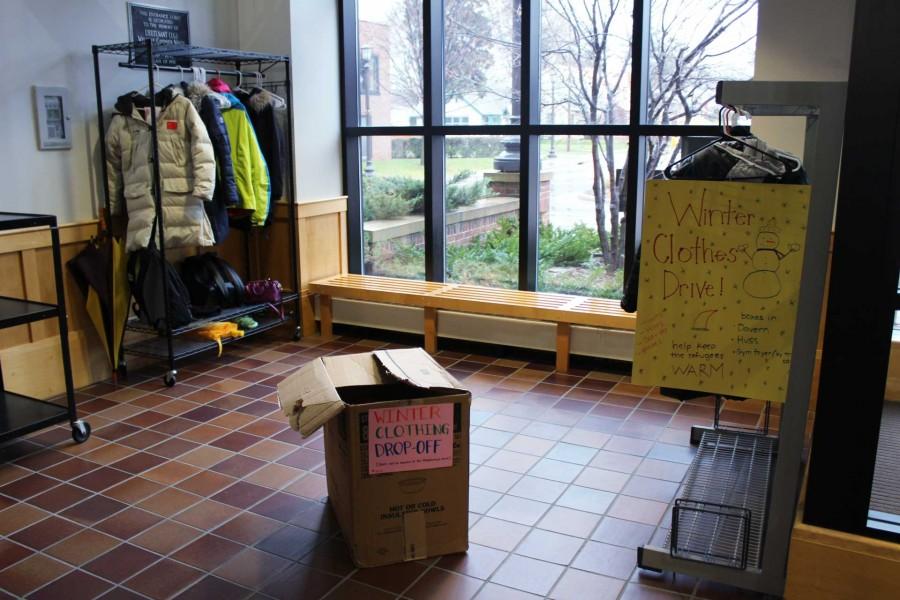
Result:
{"points": [[746, 159], [187, 168], [260, 106], [250, 169], [209, 105]]}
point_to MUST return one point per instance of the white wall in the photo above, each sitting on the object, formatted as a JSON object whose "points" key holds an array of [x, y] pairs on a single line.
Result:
{"points": [[317, 102], [48, 42], [800, 40], [307, 30]]}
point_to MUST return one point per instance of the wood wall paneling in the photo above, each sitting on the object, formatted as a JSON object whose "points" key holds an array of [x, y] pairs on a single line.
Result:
{"points": [[832, 565], [30, 354]]}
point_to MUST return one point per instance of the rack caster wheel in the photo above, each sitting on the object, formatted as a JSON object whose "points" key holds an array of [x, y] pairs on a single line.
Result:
{"points": [[169, 378], [81, 431], [297, 334]]}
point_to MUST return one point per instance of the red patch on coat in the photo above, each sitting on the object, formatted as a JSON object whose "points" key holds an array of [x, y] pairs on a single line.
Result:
{"points": [[171, 124]]}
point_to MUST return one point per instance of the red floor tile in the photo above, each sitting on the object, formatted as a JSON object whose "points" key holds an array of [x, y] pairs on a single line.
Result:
{"points": [[45, 533], [121, 562], [207, 552], [76, 585], [11, 553], [82, 547], [393, 578], [163, 579], [28, 486], [213, 587], [60, 497], [31, 573], [314, 583]]}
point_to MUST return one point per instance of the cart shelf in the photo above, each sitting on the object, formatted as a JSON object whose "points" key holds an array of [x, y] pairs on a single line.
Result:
{"points": [[10, 220], [20, 415], [14, 311]]}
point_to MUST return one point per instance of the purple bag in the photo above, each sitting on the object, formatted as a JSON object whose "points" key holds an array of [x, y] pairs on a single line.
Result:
{"points": [[263, 290]]}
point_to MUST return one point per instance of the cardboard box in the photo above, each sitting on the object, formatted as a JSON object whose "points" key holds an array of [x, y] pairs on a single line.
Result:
{"points": [[396, 450]]}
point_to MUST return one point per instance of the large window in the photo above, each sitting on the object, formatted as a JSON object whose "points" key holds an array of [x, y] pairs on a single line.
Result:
{"points": [[505, 142]]}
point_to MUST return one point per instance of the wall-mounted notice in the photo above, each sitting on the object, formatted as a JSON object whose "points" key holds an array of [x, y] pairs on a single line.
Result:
{"points": [[719, 284], [410, 438], [164, 25]]}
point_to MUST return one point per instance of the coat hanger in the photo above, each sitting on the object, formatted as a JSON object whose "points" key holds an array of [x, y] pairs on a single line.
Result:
{"points": [[146, 88], [790, 163], [277, 101], [240, 80]]}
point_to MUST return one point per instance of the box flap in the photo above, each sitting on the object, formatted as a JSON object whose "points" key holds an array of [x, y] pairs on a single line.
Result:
{"points": [[416, 367], [352, 369], [308, 397]]}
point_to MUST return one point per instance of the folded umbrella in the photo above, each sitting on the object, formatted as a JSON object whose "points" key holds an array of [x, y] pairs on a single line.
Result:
{"points": [[100, 272]]}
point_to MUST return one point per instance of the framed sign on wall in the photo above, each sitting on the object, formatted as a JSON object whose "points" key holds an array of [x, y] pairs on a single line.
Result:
{"points": [[164, 25], [51, 107]]}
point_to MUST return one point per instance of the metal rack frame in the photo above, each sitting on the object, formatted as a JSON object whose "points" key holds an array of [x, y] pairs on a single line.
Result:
{"points": [[21, 414], [764, 567], [144, 55]]}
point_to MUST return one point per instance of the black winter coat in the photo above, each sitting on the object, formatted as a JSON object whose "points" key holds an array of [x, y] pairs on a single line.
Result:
{"points": [[260, 107], [226, 192]]}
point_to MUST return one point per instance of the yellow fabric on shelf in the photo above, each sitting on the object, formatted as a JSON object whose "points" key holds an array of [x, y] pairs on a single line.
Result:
{"points": [[218, 331]]}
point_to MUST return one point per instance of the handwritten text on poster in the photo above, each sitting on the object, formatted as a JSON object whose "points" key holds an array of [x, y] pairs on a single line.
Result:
{"points": [[719, 280]]}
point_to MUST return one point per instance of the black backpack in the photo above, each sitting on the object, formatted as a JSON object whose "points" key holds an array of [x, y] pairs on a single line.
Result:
{"points": [[147, 274], [211, 283]]}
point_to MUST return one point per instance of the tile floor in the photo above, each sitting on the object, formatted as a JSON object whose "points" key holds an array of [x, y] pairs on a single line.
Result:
{"points": [[202, 490]]}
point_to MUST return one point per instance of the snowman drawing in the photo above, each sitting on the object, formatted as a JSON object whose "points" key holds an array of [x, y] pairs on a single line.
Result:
{"points": [[763, 281]]}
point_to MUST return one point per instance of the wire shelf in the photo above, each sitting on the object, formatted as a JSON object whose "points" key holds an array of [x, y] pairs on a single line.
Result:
{"points": [[184, 346], [137, 52], [227, 314], [721, 515]]}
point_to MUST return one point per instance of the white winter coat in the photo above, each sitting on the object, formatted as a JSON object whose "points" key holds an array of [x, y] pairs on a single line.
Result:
{"points": [[187, 169]]}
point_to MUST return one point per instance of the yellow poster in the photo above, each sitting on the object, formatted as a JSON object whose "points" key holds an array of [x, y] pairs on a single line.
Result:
{"points": [[719, 283]]}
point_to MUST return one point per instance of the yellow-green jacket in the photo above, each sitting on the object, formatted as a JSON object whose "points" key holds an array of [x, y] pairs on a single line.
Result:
{"points": [[251, 174]]}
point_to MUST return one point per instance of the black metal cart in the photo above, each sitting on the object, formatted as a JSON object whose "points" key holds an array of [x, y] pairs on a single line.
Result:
{"points": [[152, 57], [20, 414]]}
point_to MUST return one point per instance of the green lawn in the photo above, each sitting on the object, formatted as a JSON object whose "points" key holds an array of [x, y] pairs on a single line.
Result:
{"points": [[412, 167]]}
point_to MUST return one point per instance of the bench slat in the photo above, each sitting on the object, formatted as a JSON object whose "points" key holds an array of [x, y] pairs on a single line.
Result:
{"points": [[562, 309], [539, 306]]}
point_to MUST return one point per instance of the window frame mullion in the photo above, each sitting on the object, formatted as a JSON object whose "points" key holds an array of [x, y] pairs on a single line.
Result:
{"points": [[349, 57], [637, 150], [433, 144], [529, 144]]}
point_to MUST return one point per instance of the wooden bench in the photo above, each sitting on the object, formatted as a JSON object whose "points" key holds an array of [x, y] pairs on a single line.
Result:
{"points": [[561, 309]]}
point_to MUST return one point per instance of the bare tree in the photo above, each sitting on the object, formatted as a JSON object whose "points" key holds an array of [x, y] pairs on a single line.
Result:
{"points": [[590, 59], [681, 81], [587, 51], [467, 50]]}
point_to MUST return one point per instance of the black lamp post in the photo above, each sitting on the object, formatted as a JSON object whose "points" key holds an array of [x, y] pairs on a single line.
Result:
{"points": [[508, 160], [365, 54]]}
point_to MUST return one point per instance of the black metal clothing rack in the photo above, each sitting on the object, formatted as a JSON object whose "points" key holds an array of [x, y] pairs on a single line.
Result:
{"points": [[21, 414], [171, 346]]}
